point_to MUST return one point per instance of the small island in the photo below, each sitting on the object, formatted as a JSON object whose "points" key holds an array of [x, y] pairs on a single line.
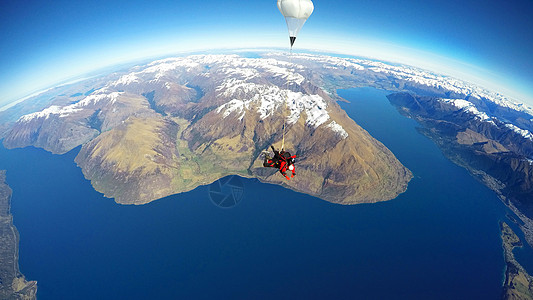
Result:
{"points": [[13, 285], [518, 283]]}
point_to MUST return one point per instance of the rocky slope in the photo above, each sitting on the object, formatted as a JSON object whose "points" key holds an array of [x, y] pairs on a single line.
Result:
{"points": [[177, 123], [13, 285]]}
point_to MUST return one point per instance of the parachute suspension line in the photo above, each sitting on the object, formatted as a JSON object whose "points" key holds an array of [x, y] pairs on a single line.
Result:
{"points": [[295, 13], [286, 100]]}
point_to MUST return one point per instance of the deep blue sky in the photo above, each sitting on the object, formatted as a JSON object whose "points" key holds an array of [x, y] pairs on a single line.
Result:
{"points": [[490, 41]]}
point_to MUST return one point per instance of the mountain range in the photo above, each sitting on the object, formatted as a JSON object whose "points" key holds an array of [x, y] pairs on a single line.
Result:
{"points": [[177, 123], [168, 126]]}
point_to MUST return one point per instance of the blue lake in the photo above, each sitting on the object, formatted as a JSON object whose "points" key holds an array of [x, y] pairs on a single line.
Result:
{"points": [[438, 240]]}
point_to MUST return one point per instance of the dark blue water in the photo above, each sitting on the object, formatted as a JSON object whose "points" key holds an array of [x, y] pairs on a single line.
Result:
{"points": [[439, 240]]}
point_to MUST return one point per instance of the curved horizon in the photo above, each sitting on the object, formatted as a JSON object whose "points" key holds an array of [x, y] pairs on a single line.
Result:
{"points": [[485, 43]]}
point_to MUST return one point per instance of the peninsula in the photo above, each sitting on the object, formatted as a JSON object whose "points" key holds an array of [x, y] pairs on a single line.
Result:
{"points": [[518, 284], [177, 123]]}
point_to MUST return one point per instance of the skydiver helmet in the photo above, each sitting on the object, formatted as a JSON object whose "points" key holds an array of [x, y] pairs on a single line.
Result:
{"points": [[291, 167]]}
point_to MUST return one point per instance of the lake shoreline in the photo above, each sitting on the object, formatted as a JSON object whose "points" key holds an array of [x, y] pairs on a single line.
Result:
{"points": [[13, 284]]}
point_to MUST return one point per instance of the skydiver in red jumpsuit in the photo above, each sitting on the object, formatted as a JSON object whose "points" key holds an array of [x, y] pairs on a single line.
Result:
{"points": [[283, 161]]}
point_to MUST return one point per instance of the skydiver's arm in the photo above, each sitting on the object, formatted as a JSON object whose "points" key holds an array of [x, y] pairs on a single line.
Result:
{"points": [[276, 153]]}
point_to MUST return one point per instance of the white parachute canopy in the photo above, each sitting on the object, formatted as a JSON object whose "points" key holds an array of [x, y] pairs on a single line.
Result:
{"points": [[296, 13]]}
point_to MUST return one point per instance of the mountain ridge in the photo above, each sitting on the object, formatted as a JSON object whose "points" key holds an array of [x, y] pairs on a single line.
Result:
{"points": [[492, 151]]}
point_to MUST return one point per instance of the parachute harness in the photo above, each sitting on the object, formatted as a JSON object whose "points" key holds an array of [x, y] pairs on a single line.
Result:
{"points": [[286, 100]]}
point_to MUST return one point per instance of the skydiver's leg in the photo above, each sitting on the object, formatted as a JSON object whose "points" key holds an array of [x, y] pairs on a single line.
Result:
{"points": [[283, 170], [268, 163]]}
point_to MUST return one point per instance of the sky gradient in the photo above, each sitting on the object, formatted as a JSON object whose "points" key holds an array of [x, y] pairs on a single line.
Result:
{"points": [[486, 42]]}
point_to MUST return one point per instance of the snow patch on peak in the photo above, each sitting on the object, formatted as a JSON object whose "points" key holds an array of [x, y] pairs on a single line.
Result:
{"points": [[127, 79], [95, 98], [470, 108], [314, 107], [234, 105], [44, 114], [49, 111], [524, 133], [64, 111], [233, 87], [337, 128], [459, 103]]}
